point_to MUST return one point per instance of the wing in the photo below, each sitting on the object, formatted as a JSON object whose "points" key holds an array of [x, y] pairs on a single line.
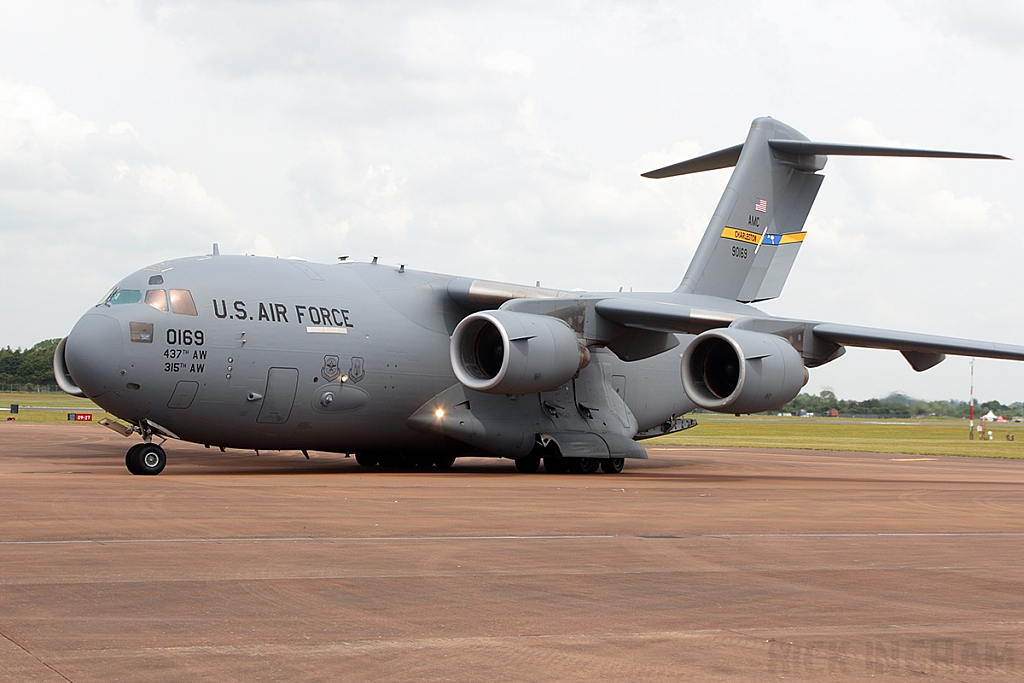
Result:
{"points": [[819, 342], [922, 351]]}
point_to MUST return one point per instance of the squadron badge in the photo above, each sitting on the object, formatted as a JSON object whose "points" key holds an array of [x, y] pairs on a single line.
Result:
{"points": [[331, 369], [356, 371]]}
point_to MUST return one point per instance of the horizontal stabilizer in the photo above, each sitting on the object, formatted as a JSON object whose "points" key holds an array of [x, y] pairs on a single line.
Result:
{"points": [[723, 158], [728, 157], [809, 147]]}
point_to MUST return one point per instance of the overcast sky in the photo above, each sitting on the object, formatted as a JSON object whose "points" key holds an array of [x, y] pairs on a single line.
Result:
{"points": [[505, 141]]}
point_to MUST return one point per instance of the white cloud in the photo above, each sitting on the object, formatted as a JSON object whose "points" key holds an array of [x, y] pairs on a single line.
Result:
{"points": [[59, 168], [262, 246], [175, 186], [70, 193], [508, 62], [28, 114], [123, 128]]}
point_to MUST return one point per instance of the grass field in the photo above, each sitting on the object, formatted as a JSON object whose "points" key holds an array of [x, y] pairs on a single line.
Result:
{"points": [[55, 405], [929, 436]]}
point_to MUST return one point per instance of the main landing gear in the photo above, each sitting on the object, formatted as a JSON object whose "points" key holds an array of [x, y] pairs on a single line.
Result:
{"points": [[556, 464], [404, 459], [529, 464], [553, 463], [145, 458], [612, 465]]}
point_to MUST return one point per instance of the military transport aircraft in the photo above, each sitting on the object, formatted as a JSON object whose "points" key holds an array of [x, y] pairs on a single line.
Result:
{"points": [[403, 367]]}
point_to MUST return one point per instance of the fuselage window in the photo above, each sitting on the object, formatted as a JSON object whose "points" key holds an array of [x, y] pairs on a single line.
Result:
{"points": [[125, 296], [181, 302], [157, 299]]}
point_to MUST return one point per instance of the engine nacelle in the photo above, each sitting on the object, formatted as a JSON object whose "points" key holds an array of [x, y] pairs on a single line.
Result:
{"points": [[503, 352], [739, 371]]}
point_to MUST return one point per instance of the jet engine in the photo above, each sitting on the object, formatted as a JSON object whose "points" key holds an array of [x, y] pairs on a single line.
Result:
{"points": [[739, 371], [504, 352]]}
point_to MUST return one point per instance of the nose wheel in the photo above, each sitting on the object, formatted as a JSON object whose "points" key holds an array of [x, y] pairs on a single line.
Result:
{"points": [[145, 459]]}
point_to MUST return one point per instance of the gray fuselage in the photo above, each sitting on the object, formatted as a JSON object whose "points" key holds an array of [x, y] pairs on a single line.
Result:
{"points": [[271, 338]]}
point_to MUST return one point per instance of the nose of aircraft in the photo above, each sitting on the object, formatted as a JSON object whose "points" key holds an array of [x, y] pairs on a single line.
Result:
{"points": [[93, 352]]}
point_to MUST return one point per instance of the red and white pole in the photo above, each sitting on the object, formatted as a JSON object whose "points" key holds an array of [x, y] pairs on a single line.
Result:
{"points": [[971, 437]]}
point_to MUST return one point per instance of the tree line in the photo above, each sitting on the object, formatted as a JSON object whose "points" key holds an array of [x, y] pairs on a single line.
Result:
{"points": [[31, 368], [897, 405]]}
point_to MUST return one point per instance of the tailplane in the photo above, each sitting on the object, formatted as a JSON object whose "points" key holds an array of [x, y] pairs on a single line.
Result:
{"points": [[754, 236]]}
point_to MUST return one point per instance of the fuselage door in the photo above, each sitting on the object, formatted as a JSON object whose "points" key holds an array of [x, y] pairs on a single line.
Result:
{"points": [[619, 385], [279, 396]]}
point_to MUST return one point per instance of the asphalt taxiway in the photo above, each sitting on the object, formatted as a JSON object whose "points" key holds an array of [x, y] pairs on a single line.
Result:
{"points": [[697, 564]]}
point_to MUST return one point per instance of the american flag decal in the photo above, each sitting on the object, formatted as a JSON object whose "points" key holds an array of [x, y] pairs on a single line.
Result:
{"points": [[761, 205]]}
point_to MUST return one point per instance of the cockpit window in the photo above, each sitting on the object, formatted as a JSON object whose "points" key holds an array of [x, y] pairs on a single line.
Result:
{"points": [[181, 302], [157, 299], [124, 296], [106, 297]]}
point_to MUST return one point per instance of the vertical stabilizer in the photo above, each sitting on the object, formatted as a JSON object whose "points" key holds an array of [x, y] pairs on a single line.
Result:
{"points": [[756, 231]]}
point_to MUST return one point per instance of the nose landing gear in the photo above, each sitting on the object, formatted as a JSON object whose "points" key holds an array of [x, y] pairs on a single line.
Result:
{"points": [[145, 459]]}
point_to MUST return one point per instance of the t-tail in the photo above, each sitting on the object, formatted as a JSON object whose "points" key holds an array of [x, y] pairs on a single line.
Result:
{"points": [[753, 238]]}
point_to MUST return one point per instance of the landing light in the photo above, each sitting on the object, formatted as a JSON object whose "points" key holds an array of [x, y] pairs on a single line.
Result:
{"points": [[439, 413]]}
